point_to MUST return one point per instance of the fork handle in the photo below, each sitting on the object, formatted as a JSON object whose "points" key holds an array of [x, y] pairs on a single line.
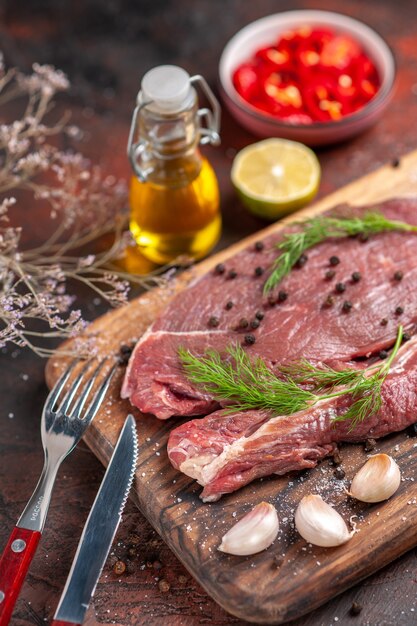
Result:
{"points": [[14, 564]]}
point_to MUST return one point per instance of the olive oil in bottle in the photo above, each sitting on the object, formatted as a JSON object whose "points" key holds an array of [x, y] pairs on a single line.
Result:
{"points": [[174, 194]]}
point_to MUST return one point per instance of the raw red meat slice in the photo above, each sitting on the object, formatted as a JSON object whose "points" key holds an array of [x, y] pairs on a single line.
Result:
{"points": [[298, 327], [224, 452]]}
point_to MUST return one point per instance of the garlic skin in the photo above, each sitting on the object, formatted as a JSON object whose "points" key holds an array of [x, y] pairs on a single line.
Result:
{"points": [[377, 480], [253, 533], [320, 524]]}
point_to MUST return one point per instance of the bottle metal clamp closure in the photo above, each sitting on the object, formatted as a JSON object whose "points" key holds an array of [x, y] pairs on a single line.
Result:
{"points": [[208, 123]]}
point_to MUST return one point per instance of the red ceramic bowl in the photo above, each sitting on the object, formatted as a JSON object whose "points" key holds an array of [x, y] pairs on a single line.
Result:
{"points": [[264, 32]]}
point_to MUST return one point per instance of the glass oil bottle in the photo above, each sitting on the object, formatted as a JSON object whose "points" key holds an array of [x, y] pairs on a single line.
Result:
{"points": [[174, 194]]}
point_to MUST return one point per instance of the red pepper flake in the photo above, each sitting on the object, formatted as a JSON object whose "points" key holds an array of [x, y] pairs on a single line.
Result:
{"points": [[384, 321], [398, 275], [272, 300]]}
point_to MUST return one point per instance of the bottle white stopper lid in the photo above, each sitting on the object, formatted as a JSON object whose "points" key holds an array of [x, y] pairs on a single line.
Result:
{"points": [[167, 86]]}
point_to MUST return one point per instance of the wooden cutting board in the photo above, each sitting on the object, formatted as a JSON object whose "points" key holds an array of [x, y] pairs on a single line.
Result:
{"points": [[290, 578]]}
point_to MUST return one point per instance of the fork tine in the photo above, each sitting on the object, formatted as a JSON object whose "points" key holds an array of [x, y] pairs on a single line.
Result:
{"points": [[58, 387], [98, 398], [79, 405], [69, 396]]}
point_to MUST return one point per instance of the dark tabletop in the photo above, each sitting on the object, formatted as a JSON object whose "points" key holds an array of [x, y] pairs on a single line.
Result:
{"points": [[105, 46]]}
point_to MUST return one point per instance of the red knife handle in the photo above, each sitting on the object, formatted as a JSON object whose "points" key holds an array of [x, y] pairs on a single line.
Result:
{"points": [[59, 622], [14, 564]]}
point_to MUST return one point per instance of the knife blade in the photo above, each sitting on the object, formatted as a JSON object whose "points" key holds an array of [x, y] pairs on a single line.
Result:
{"points": [[99, 530]]}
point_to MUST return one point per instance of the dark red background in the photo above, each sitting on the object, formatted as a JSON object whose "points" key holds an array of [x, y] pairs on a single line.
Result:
{"points": [[105, 47]]}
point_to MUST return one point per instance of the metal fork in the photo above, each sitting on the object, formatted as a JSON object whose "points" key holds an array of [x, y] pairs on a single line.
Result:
{"points": [[62, 426]]}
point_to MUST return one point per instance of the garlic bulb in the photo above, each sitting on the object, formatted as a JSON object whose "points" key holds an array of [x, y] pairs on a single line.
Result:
{"points": [[253, 533], [319, 524], [377, 480]]}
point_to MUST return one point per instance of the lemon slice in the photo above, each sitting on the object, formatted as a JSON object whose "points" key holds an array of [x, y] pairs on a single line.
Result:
{"points": [[275, 176]]}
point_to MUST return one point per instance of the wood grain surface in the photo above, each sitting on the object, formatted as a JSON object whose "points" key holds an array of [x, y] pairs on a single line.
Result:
{"points": [[291, 578]]}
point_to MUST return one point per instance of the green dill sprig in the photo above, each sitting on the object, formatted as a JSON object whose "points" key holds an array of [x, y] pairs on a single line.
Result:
{"points": [[366, 393], [318, 229], [323, 377], [244, 383]]}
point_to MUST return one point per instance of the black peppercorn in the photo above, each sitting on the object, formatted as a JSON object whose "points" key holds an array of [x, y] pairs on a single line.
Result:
{"points": [[398, 275], [329, 302], [259, 246], [340, 287], [399, 310], [384, 321], [383, 354], [219, 269], [259, 271], [229, 305], [243, 323], [406, 337], [254, 323], [282, 296], [334, 260], [250, 339], [346, 307], [355, 609], [259, 315], [363, 237], [412, 430], [232, 274], [370, 445], [339, 473], [213, 321], [356, 277], [330, 274], [336, 458], [301, 261], [119, 567], [125, 352], [395, 162]]}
